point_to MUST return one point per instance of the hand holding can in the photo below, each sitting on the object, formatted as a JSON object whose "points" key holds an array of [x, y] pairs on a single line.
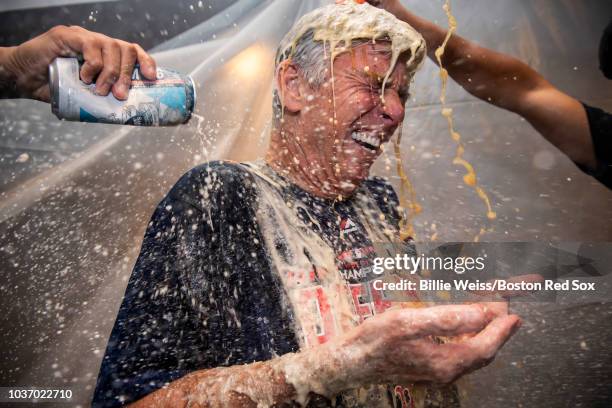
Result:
{"points": [[109, 62], [166, 101]]}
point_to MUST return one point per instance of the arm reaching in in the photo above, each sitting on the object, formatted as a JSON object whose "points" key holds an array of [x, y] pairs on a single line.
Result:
{"points": [[511, 84], [23, 69], [396, 346]]}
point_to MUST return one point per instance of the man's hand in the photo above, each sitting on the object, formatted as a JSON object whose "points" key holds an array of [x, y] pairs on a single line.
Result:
{"points": [[108, 61], [398, 345]]}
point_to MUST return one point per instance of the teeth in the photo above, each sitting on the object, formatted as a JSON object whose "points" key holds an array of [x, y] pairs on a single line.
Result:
{"points": [[368, 138]]}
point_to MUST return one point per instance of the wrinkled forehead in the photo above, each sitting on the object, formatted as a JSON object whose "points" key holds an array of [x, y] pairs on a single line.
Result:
{"points": [[372, 47], [372, 56]]}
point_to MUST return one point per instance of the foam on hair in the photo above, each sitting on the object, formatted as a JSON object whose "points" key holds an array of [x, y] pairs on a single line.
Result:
{"points": [[337, 25]]}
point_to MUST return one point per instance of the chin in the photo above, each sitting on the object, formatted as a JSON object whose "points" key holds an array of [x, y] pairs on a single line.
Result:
{"points": [[352, 179]]}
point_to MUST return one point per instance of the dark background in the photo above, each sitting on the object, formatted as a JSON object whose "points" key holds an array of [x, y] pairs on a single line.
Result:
{"points": [[146, 22]]}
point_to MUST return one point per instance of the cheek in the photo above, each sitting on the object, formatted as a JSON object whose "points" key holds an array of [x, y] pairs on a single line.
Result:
{"points": [[318, 108], [362, 102]]}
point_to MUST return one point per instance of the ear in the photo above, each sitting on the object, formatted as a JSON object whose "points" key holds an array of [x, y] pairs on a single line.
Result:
{"points": [[288, 81]]}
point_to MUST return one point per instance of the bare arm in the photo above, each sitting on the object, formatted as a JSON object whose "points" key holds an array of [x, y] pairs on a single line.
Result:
{"points": [[108, 61], [511, 84], [251, 385], [396, 346]]}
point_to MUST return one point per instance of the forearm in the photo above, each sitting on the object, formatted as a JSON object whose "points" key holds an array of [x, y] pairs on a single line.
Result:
{"points": [[236, 386], [290, 378], [8, 79], [491, 76], [510, 84]]}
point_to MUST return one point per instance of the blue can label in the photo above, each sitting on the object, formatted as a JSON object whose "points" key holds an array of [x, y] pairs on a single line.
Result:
{"points": [[168, 100]]}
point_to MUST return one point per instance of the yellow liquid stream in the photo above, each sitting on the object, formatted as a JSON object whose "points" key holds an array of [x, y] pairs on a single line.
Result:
{"points": [[469, 178], [407, 195]]}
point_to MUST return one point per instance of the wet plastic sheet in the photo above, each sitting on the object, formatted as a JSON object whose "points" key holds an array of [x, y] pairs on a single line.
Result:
{"points": [[75, 198]]}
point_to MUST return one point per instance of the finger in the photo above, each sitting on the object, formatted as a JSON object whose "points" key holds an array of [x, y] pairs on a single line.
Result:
{"points": [[111, 57], [71, 40], [496, 309], [452, 360], [128, 58], [75, 40], [42, 94], [448, 320], [487, 343], [92, 54], [460, 358], [148, 67], [492, 309]]}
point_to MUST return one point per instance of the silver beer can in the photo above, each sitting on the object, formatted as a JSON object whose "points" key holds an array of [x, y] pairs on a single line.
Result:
{"points": [[167, 101]]}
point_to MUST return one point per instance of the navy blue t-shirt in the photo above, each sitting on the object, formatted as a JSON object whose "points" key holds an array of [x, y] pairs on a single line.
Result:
{"points": [[203, 292]]}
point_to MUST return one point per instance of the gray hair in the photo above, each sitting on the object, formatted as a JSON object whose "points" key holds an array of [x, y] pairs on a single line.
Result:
{"points": [[309, 57]]}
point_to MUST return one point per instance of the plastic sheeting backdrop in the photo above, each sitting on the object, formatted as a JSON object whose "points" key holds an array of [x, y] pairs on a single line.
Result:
{"points": [[75, 198]]}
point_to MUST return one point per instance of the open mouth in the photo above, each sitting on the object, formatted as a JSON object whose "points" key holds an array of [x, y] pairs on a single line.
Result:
{"points": [[369, 140]]}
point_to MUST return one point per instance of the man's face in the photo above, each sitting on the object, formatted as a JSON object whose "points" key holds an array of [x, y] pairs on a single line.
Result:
{"points": [[343, 139]]}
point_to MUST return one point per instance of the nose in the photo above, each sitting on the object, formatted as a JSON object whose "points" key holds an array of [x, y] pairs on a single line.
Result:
{"points": [[392, 108]]}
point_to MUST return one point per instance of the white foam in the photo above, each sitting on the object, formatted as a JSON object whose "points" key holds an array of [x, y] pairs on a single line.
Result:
{"points": [[337, 25]]}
